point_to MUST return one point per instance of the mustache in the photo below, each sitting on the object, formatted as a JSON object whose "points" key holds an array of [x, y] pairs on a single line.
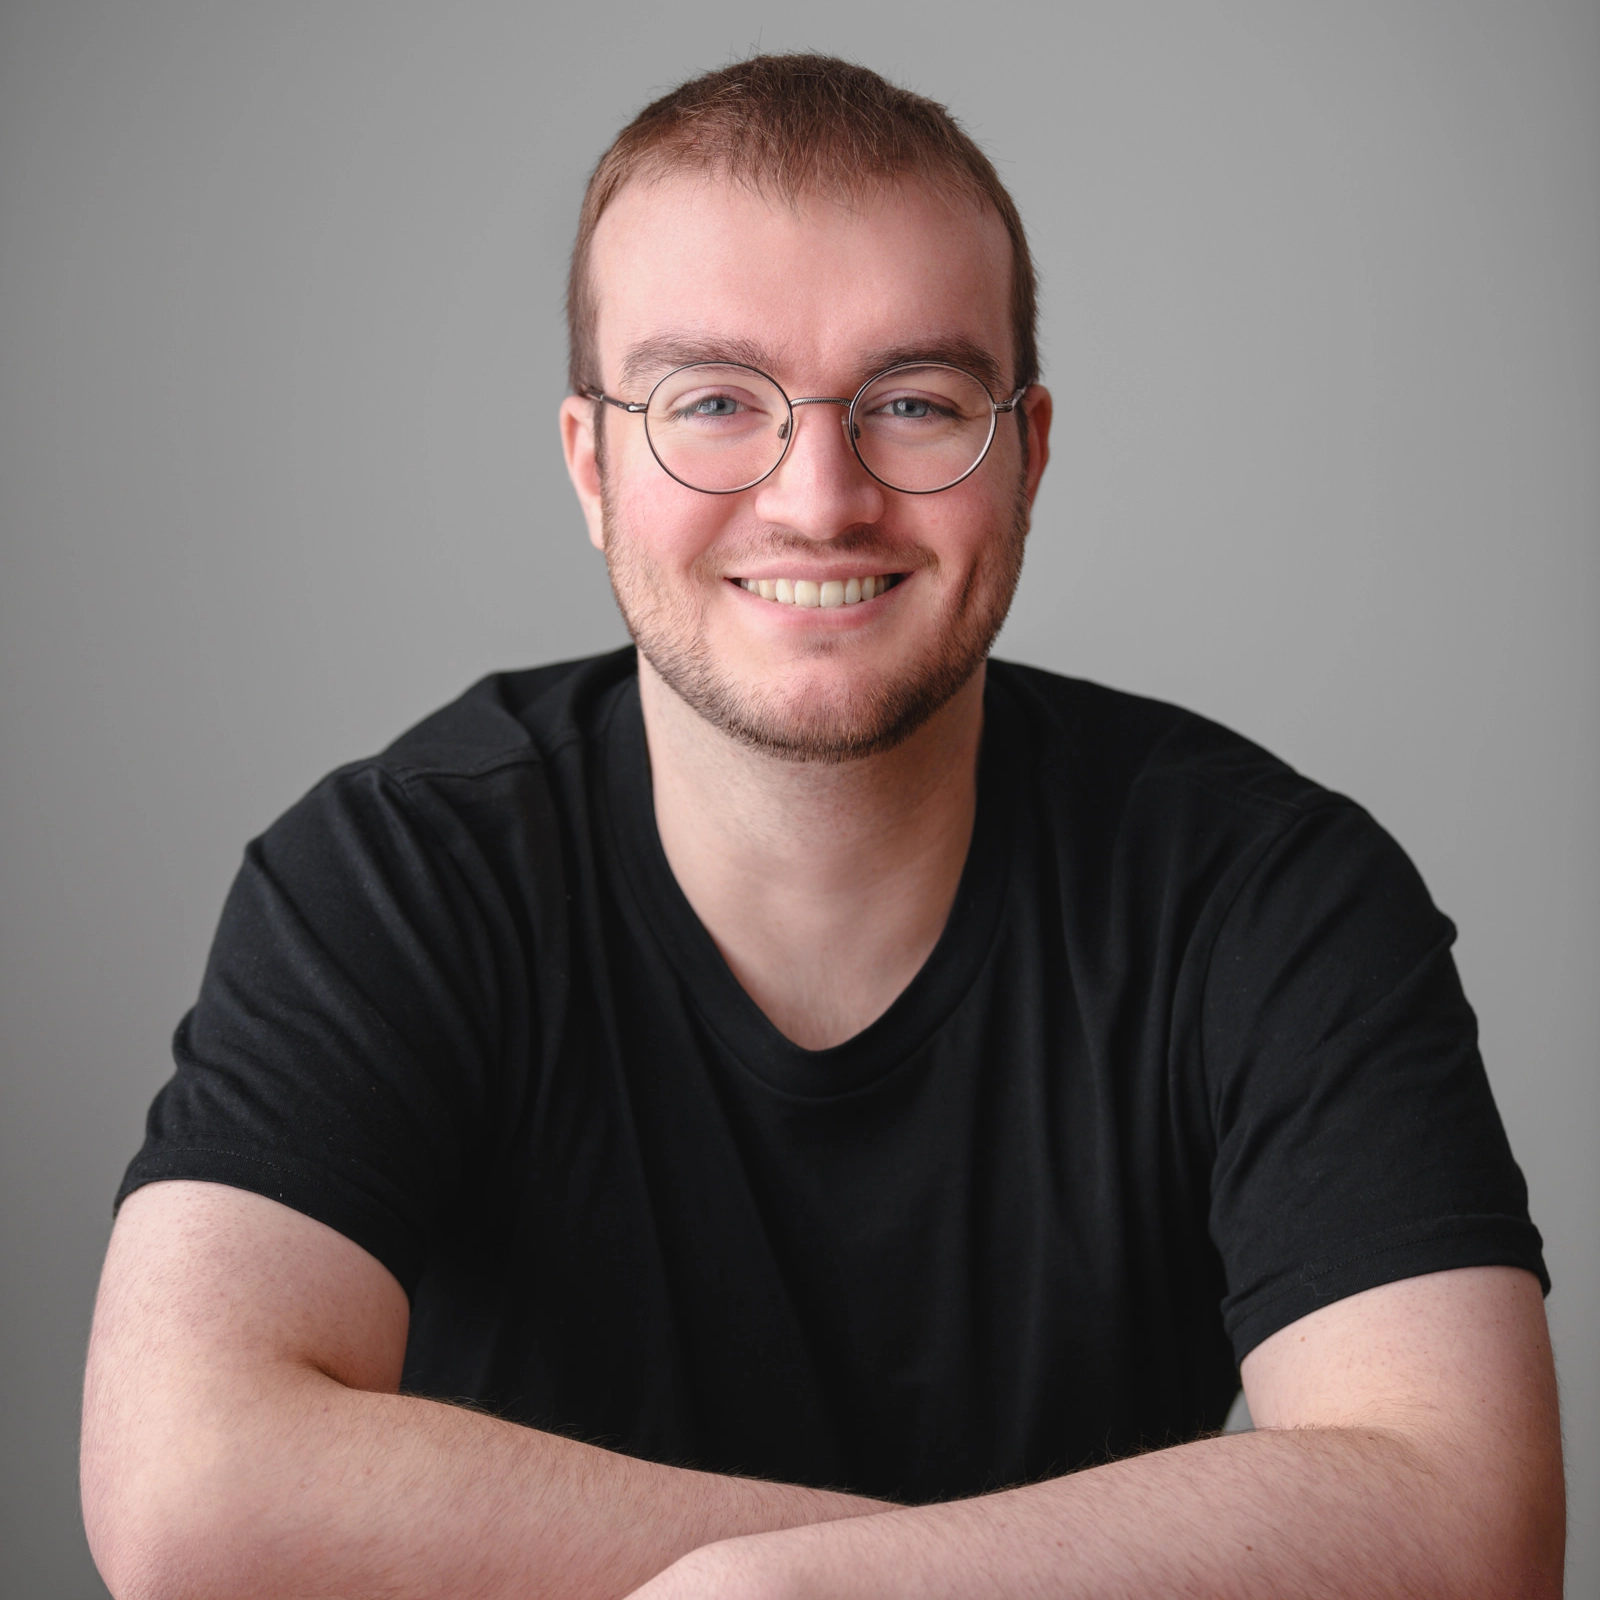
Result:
{"points": [[861, 541]]}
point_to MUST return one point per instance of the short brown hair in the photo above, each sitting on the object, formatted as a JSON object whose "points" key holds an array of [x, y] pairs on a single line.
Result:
{"points": [[796, 125]]}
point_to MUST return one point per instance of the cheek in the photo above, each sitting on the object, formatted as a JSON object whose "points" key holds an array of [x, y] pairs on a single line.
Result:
{"points": [[973, 521], [657, 519]]}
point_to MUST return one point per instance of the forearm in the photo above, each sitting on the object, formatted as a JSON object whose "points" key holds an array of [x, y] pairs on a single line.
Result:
{"points": [[308, 1487], [242, 1436], [1308, 1512]]}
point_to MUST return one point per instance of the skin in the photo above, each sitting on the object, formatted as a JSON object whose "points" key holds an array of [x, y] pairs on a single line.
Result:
{"points": [[243, 1433]]}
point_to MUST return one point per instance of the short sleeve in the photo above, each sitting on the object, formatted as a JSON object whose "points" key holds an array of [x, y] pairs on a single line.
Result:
{"points": [[1357, 1141], [340, 1057]]}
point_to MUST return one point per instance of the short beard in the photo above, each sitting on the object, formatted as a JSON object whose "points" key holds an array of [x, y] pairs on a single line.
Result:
{"points": [[867, 722]]}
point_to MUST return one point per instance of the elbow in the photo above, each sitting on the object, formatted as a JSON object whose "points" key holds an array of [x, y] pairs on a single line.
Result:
{"points": [[143, 1562], [1535, 1548], [1529, 1566], [140, 1551], [177, 1530], [1507, 1534], [146, 1543]]}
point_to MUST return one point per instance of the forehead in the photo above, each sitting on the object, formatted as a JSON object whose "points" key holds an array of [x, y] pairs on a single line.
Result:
{"points": [[702, 266]]}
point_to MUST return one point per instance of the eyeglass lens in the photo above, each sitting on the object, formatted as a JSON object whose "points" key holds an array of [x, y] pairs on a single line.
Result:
{"points": [[721, 428]]}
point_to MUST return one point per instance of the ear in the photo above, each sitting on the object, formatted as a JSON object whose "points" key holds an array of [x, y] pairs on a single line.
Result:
{"points": [[578, 445], [1037, 408]]}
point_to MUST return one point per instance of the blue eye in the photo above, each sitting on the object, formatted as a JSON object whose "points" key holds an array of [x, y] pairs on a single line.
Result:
{"points": [[908, 407], [707, 408]]}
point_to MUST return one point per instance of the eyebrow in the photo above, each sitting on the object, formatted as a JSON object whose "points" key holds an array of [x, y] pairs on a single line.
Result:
{"points": [[952, 351], [656, 356]]}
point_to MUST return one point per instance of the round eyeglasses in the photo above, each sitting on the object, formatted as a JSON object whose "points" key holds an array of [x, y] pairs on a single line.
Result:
{"points": [[720, 427]]}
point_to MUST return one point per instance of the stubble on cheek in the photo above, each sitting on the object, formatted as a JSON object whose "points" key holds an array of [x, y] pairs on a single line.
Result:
{"points": [[858, 715]]}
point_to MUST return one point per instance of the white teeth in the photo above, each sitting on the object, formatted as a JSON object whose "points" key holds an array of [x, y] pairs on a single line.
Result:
{"points": [[811, 593]]}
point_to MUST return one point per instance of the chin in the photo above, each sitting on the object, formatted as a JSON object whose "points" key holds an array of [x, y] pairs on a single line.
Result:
{"points": [[815, 716]]}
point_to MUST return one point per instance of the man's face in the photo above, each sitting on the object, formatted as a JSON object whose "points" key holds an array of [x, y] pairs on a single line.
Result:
{"points": [[820, 297]]}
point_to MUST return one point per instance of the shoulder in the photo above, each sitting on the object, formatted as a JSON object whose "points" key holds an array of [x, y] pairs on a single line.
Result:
{"points": [[1167, 814], [506, 722], [1123, 752], [507, 718], [479, 779]]}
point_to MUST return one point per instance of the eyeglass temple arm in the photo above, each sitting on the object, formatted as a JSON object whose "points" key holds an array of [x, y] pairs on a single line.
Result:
{"points": [[1011, 404], [631, 406]]}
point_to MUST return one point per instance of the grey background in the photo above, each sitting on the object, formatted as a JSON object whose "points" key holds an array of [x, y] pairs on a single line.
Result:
{"points": [[280, 351]]}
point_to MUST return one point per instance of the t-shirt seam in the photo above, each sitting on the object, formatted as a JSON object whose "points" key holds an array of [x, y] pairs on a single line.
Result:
{"points": [[301, 1170], [408, 772], [1293, 810], [291, 1163], [1269, 848], [501, 1066], [405, 773], [1381, 1243], [1266, 847]]}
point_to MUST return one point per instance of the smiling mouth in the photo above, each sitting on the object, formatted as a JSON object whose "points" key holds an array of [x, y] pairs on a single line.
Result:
{"points": [[806, 592]]}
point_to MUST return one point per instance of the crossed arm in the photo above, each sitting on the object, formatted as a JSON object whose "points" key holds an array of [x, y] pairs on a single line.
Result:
{"points": [[243, 1436]]}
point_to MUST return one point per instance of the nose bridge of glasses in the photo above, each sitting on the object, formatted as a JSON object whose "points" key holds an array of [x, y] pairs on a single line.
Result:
{"points": [[819, 400]]}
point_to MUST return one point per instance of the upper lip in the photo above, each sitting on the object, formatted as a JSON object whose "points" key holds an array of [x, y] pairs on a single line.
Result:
{"points": [[829, 574]]}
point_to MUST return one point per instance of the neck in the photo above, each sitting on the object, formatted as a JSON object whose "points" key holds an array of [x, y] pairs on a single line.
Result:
{"points": [[824, 886]]}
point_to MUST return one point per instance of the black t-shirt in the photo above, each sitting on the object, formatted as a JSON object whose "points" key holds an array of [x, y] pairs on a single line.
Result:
{"points": [[1189, 1060]]}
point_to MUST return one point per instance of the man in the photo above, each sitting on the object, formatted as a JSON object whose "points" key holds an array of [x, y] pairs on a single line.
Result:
{"points": [[827, 1104]]}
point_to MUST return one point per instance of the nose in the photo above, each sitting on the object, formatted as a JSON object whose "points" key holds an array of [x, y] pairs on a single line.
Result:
{"points": [[820, 489]]}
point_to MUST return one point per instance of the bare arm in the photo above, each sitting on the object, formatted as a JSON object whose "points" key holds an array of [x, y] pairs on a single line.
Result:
{"points": [[243, 1436], [1407, 1444]]}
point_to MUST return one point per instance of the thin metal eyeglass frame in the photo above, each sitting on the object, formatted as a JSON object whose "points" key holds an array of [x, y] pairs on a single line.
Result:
{"points": [[636, 408]]}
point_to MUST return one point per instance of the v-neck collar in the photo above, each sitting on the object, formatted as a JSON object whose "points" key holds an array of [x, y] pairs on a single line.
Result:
{"points": [[627, 798]]}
